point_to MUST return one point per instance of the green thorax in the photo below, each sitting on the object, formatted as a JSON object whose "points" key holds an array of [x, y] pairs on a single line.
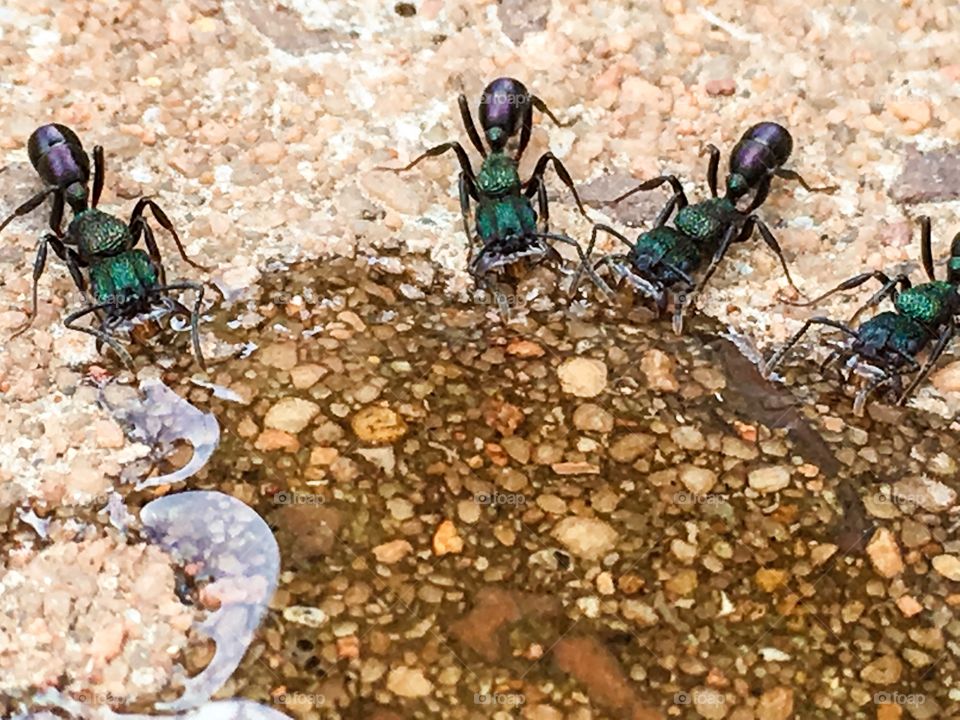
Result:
{"points": [[931, 303], [97, 233], [122, 278], [511, 216], [705, 220], [498, 175]]}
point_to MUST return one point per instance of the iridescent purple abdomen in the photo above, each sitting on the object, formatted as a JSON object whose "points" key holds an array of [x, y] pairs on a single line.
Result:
{"points": [[58, 156], [502, 107], [763, 148]]}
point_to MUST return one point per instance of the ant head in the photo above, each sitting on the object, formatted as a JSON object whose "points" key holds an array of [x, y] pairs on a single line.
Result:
{"points": [[76, 195], [737, 186], [504, 106]]}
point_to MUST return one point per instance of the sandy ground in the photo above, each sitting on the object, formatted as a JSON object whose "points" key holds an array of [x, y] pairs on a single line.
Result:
{"points": [[259, 129]]}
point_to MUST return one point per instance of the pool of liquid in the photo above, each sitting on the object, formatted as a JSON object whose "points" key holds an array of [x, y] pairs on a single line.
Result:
{"points": [[567, 512]]}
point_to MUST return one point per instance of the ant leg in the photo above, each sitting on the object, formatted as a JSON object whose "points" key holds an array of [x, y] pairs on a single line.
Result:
{"points": [[771, 242], [436, 151], [834, 355], [165, 223], [679, 310], [98, 174], [480, 278], [194, 314], [542, 107], [73, 265], [468, 124], [56, 215], [666, 211], [620, 265], [778, 356], [583, 258], [593, 241], [39, 263], [544, 206], [886, 378], [855, 282], [889, 289], [787, 174], [680, 299], [926, 251], [537, 178], [713, 167], [98, 333], [467, 191], [725, 243], [526, 129], [474, 265], [763, 190], [30, 205], [153, 250], [679, 196], [935, 354]]}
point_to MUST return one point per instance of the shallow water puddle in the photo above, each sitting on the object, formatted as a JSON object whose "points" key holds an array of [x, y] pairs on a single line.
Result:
{"points": [[576, 509]]}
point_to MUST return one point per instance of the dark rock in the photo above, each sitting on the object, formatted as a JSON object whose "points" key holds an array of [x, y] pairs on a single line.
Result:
{"points": [[637, 211], [482, 629], [518, 17], [310, 530], [285, 28], [589, 662], [932, 176]]}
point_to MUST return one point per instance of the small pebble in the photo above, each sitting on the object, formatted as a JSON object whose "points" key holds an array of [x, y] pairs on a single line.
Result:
{"points": [[378, 425], [587, 538], [948, 566], [582, 377], [291, 415], [658, 367], [446, 540], [884, 553], [408, 682], [392, 552], [769, 479], [592, 418]]}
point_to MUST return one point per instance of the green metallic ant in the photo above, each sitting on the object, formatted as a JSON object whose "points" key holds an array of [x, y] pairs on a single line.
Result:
{"points": [[885, 347], [57, 155], [507, 226], [665, 259], [127, 288]]}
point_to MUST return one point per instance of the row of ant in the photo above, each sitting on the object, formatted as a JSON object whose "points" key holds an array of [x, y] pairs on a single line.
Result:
{"points": [[661, 264], [126, 288]]}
